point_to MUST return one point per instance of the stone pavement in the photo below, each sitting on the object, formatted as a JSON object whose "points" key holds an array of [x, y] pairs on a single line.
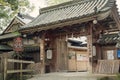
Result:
{"points": [[65, 76]]}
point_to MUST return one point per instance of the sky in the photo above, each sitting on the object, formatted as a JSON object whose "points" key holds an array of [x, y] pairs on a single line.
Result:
{"points": [[38, 4], [41, 3], [118, 4]]}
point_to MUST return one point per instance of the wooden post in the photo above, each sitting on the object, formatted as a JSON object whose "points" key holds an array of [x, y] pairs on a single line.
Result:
{"points": [[42, 53], [57, 54], [31, 68], [5, 68], [21, 67], [2, 66], [89, 45]]}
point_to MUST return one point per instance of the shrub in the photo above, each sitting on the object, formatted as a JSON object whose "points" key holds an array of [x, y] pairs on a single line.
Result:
{"points": [[117, 77], [106, 78]]}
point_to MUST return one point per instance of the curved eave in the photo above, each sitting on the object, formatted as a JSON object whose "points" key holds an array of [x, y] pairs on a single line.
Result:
{"points": [[10, 35], [115, 15], [100, 16]]}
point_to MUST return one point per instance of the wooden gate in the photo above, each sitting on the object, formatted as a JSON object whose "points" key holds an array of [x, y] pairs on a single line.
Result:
{"points": [[78, 60]]}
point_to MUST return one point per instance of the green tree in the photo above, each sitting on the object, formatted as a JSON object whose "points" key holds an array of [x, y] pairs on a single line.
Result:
{"points": [[9, 8], [54, 2]]}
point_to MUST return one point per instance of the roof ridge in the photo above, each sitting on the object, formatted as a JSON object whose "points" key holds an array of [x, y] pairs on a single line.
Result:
{"points": [[63, 5]]}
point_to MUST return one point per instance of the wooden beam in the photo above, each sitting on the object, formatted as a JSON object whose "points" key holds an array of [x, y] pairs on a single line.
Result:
{"points": [[21, 67], [20, 61], [18, 71]]}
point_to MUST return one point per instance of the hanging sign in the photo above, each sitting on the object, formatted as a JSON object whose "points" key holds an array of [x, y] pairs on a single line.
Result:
{"points": [[49, 54], [110, 55], [18, 44]]}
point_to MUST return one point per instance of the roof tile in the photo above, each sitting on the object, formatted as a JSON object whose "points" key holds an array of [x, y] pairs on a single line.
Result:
{"points": [[70, 10]]}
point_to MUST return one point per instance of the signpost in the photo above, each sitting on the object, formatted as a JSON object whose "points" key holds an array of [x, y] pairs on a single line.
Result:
{"points": [[18, 48]]}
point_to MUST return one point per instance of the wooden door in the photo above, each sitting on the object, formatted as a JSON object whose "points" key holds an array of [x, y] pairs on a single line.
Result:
{"points": [[61, 54], [72, 61], [81, 61], [78, 61]]}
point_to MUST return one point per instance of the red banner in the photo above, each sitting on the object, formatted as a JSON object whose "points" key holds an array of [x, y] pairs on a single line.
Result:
{"points": [[18, 44]]}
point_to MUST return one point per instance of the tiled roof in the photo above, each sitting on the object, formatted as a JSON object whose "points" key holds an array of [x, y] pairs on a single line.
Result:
{"points": [[9, 35], [5, 47], [109, 39], [73, 10], [26, 18], [23, 19]]}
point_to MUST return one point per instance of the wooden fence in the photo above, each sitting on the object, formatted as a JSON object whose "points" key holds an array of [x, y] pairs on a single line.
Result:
{"points": [[21, 70], [108, 66]]}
